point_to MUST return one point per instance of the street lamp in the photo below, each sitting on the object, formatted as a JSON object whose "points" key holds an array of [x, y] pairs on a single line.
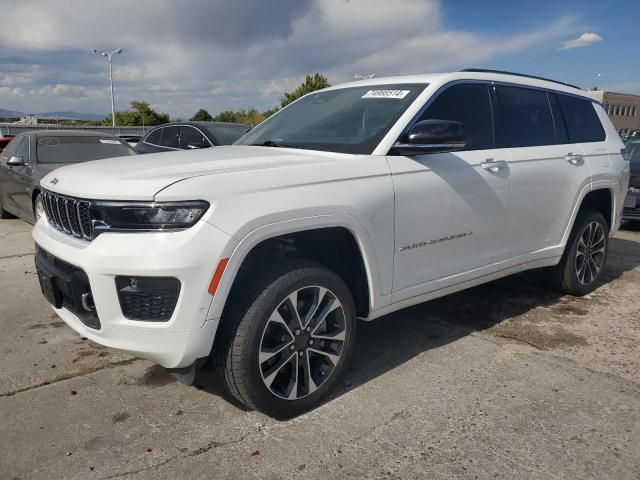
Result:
{"points": [[109, 56]]}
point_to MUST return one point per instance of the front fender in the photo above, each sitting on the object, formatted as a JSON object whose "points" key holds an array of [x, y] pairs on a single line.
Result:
{"points": [[238, 252]]}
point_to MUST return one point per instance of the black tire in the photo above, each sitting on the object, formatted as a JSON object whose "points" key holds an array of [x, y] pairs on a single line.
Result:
{"points": [[564, 277], [245, 323], [3, 213]]}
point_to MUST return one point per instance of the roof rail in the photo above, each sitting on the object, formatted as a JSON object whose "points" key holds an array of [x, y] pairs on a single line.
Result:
{"points": [[484, 70]]}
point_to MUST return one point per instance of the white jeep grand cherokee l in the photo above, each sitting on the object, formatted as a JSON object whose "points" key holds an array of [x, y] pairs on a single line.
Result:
{"points": [[255, 260]]}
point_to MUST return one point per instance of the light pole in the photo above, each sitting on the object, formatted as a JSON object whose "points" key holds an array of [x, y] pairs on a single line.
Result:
{"points": [[109, 56]]}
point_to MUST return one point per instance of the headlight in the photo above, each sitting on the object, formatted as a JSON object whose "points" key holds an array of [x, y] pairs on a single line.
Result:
{"points": [[146, 216]]}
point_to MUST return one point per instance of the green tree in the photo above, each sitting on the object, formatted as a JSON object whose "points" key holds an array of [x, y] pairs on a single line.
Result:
{"points": [[141, 113], [311, 83], [201, 116]]}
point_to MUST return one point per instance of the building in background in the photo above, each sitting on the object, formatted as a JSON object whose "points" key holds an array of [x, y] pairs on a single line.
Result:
{"points": [[623, 109]]}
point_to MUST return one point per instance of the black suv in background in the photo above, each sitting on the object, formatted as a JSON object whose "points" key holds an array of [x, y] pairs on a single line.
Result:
{"points": [[190, 135], [631, 209]]}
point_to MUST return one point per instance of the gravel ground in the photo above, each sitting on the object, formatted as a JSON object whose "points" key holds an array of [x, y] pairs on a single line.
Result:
{"points": [[507, 380]]}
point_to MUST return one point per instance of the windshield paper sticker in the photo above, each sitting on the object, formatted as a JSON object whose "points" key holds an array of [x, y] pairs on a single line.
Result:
{"points": [[386, 94], [110, 142]]}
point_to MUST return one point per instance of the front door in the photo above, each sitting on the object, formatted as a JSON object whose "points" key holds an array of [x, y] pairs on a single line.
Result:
{"points": [[451, 208]]}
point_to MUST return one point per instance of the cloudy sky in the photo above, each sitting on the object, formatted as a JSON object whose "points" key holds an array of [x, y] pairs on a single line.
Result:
{"points": [[229, 54]]}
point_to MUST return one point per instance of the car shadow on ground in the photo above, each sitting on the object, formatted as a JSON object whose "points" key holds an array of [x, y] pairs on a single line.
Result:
{"points": [[388, 342]]}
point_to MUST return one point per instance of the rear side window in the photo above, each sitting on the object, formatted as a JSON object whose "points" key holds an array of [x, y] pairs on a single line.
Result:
{"points": [[583, 124], [470, 104], [191, 136], [526, 118], [154, 137]]}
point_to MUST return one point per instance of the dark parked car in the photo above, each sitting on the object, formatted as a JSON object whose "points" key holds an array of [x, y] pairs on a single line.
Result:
{"points": [[631, 209], [30, 156], [188, 135]]}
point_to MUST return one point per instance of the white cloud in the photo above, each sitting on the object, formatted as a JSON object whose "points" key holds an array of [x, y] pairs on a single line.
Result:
{"points": [[584, 40], [11, 92], [61, 90], [231, 55]]}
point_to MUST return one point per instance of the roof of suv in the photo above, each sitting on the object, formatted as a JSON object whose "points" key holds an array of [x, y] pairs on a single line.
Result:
{"points": [[443, 78]]}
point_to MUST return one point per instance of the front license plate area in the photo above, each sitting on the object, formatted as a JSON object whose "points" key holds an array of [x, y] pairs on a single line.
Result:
{"points": [[49, 289], [630, 202]]}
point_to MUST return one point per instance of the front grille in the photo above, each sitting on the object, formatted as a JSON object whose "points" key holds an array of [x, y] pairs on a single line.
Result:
{"points": [[151, 299], [68, 214]]}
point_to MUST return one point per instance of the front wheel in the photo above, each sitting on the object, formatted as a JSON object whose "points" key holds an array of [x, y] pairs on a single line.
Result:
{"points": [[295, 333], [584, 257]]}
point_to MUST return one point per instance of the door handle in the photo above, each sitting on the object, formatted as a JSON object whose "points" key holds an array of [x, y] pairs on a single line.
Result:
{"points": [[576, 160], [493, 165]]}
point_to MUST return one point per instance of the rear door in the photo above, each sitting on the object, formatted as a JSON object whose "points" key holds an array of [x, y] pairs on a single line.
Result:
{"points": [[547, 173], [451, 208]]}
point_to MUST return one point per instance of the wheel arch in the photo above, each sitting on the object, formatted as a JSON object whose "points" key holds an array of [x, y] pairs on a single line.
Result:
{"points": [[243, 249], [600, 198]]}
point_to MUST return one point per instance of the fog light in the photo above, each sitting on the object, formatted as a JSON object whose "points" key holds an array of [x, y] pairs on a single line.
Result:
{"points": [[150, 299]]}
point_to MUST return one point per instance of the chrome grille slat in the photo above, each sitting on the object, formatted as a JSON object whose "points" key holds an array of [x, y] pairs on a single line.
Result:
{"points": [[68, 214]]}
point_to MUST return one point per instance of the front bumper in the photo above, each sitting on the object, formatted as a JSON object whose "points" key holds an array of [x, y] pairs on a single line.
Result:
{"points": [[631, 208], [190, 256]]}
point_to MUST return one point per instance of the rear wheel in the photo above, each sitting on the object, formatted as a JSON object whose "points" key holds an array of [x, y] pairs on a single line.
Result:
{"points": [[585, 255], [292, 340]]}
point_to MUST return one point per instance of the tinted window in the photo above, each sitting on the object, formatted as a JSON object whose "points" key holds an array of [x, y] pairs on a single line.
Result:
{"points": [[226, 135], [345, 120], [79, 149], [155, 137], [582, 121], [633, 150], [23, 149], [10, 151], [190, 135], [470, 104], [170, 137], [526, 119]]}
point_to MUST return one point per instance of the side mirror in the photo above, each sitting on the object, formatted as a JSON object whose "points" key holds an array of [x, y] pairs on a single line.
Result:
{"points": [[195, 146], [16, 162], [431, 136]]}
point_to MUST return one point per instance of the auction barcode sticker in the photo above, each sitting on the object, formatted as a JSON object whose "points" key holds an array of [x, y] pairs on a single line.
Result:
{"points": [[109, 141], [386, 94]]}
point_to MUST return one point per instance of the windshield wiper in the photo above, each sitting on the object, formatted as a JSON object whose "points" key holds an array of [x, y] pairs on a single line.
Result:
{"points": [[273, 143]]}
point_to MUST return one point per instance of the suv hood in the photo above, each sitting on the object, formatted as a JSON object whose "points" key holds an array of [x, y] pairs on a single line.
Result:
{"points": [[141, 177]]}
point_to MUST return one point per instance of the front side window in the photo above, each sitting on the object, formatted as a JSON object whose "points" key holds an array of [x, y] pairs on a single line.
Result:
{"points": [[583, 124], [12, 146], [525, 116], [23, 149], [170, 137], [69, 149], [346, 120], [227, 134], [469, 104]]}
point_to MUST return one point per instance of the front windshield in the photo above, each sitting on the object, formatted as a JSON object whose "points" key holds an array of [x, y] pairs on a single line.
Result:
{"points": [[345, 120], [68, 149], [633, 150]]}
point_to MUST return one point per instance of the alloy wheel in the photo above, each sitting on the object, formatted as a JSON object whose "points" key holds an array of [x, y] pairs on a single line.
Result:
{"points": [[590, 253], [302, 342]]}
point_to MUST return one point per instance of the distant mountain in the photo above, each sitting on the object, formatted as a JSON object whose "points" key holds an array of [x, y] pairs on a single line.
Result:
{"points": [[10, 113], [67, 115]]}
